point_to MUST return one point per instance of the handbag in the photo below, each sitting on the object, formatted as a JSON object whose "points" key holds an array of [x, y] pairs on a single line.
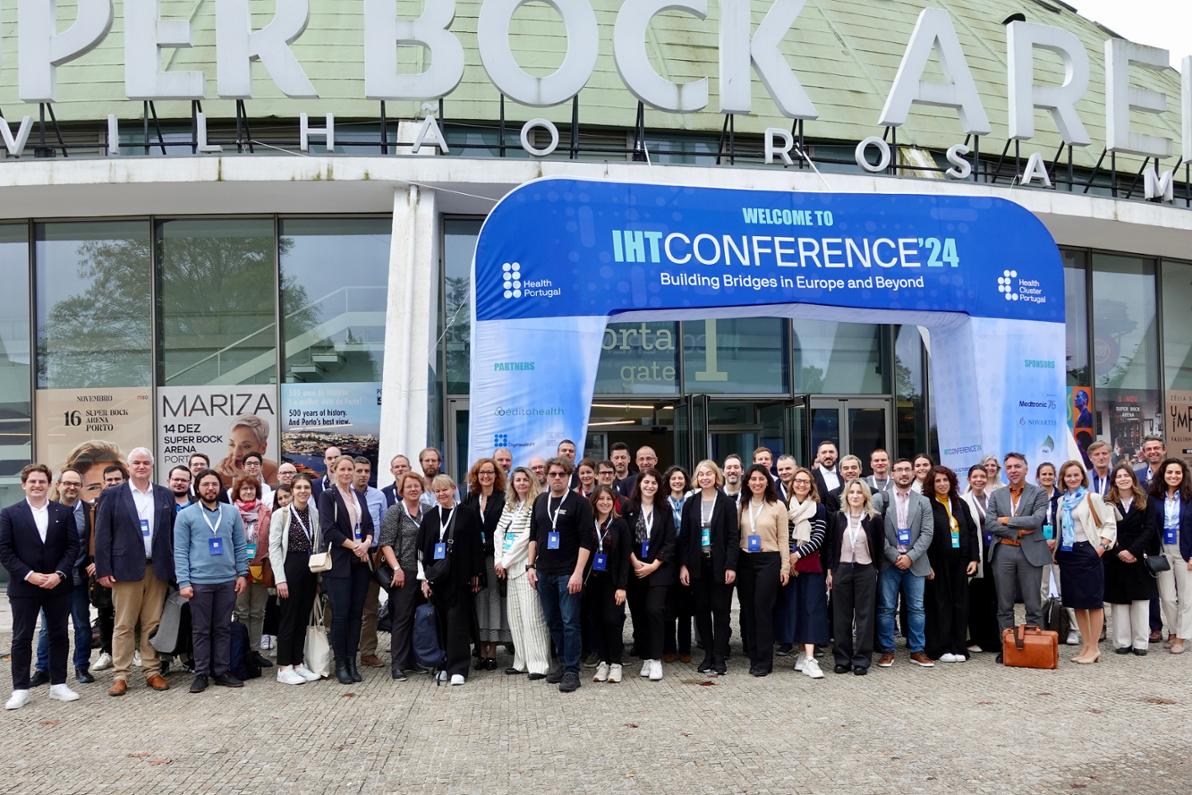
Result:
{"points": [[1028, 646], [383, 574], [321, 561], [316, 652], [1156, 564]]}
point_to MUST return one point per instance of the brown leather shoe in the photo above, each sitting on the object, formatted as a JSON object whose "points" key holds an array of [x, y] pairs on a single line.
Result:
{"points": [[118, 688], [686, 658], [922, 660], [157, 682], [886, 660], [668, 657], [372, 661]]}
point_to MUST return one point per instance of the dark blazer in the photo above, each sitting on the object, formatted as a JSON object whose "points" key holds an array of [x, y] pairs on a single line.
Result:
{"points": [[874, 533], [335, 527], [1136, 532], [829, 497], [625, 486], [1129, 582], [119, 548], [662, 543], [617, 544], [726, 536], [22, 550], [318, 486], [390, 493], [488, 519], [1156, 508], [467, 559], [941, 537]]}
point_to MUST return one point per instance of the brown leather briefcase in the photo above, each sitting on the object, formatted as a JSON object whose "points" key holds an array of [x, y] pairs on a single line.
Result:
{"points": [[1027, 646]]}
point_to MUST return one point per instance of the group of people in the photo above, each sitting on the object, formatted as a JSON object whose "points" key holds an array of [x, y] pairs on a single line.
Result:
{"points": [[544, 559]]}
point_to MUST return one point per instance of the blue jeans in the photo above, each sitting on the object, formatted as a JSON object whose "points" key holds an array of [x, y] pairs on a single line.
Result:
{"points": [[80, 616], [894, 579], [562, 613]]}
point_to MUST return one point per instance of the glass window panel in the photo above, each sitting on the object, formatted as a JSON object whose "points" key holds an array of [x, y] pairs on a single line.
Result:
{"points": [[910, 418], [459, 245], [839, 358], [1177, 341], [94, 302], [639, 359], [736, 356], [1077, 320], [16, 437], [217, 301], [1125, 352], [334, 329]]}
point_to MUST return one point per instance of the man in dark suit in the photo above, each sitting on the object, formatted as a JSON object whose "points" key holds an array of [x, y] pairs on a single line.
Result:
{"points": [[39, 546], [134, 556], [827, 478], [399, 465], [1015, 517], [1154, 451], [318, 484]]}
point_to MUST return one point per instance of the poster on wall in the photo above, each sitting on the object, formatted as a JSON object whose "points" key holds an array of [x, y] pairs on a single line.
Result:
{"points": [[318, 416], [1080, 418], [78, 427], [1125, 427], [1179, 423], [224, 422]]}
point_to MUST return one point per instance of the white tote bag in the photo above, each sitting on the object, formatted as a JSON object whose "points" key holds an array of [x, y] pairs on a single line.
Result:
{"points": [[317, 650]]}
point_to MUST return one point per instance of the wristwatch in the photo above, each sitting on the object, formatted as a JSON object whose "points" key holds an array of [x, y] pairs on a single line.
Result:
{"points": [[531, 566]]}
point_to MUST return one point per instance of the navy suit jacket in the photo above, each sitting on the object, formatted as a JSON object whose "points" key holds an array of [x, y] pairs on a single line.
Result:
{"points": [[22, 550], [335, 526], [1156, 507], [390, 493], [119, 548]]}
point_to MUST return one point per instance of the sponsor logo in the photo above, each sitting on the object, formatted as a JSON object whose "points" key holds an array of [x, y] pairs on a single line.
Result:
{"points": [[972, 448], [1043, 423], [1039, 364], [500, 440], [1013, 288], [512, 283], [530, 411], [1037, 404], [513, 367]]}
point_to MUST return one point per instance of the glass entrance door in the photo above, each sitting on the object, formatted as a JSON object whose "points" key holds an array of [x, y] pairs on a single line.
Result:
{"points": [[857, 425]]}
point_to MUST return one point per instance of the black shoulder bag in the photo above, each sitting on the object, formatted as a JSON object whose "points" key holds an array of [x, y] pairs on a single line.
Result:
{"points": [[439, 570]]}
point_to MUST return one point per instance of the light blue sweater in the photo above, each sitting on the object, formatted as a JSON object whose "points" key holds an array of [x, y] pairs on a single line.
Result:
{"points": [[193, 561]]}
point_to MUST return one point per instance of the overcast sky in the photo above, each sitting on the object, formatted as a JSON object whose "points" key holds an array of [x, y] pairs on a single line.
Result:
{"points": [[1159, 23]]}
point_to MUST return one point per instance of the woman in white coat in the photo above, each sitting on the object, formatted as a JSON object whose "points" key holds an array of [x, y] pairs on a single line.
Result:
{"points": [[293, 536], [511, 540]]}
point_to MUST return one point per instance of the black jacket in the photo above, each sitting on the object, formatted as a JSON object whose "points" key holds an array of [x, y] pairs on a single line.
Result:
{"points": [[488, 519], [465, 554], [662, 543], [874, 531], [22, 550], [726, 536], [335, 527], [617, 543], [941, 538]]}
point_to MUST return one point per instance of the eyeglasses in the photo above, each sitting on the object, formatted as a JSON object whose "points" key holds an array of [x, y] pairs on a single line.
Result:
{"points": [[556, 474], [804, 481], [486, 473]]}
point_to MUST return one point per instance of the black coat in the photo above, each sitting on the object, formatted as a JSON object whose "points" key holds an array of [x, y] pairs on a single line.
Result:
{"points": [[662, 543], [874, 532], [467, 559], [22, 551], [941, 551], [335, 527], [1136, 534], [617, 543], [489, 518], [726, 536]]}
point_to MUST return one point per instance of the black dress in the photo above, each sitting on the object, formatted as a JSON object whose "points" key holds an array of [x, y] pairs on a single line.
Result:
{"points": [[1131, 582], [946, 595]]}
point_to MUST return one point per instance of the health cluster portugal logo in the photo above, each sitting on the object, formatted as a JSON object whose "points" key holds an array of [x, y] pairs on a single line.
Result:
{"points": [[512, 275], [1005, 285]]}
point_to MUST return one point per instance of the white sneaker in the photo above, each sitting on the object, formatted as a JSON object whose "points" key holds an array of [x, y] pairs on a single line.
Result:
{"points": [[306, 673], [288, 676], [656, 670], [947, 657], [18, 699], [103, 663], [457, 680], [442, 677], [647, 666], [614, 673], [799, 662], [1073, 638], [136, 659], [265, 644], [812, 669], [601, 672], [62, 693], [959, 658]]}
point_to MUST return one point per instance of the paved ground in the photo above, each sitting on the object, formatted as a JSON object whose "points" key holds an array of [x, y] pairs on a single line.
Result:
{"points": [[1121, 725]]}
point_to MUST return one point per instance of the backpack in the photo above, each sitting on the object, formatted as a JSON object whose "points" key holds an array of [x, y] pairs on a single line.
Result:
{"points": [[428, 651], [242, 663]]}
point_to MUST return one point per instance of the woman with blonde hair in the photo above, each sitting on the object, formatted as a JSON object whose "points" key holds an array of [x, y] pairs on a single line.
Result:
{"points": [[855, 545], [707, 554], [511, 539], [1087, 528]]}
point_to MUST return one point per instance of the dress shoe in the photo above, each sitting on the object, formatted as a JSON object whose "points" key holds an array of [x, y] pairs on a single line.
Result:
{"points": [[886, 660], [1139, 652], [841, 669], [668, 657], [860, 670], [39, 678], [227, 680], [399, 675], [157, 682], [62, 693], [118, 688], [536, 677], [705, 666], [685, 658], [353, 671], [18, 699], [371, 660], [1156, 636], [922, 660], [199, 684], [83, 676], [554, 675], [999, 660], [1122, 650], [262, 660], [511, 671], [342, 674]]}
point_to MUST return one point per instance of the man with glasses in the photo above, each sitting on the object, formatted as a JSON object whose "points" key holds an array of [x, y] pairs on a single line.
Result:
{"points": [[286, 472], [537, 465], [252, 468], [134, 556], [560, 544], [179, 482]]}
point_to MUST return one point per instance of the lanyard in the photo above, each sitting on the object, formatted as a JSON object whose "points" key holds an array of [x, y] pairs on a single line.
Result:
{"points": [[554, 517], [213, 528], [443, 524], [753, 516], [305, 529], [409, 515], [483, 504], [854, 533], [648, 521], [602, 533]]}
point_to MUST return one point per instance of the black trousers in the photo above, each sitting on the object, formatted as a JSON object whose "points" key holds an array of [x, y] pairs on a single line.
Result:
{"points": [[946, 602], [982, 611], [347, 609], [854, 604], [402, 602], [604, 618], [56, 603], [294, 612], [454, 615], [758, 581], [647, 603], [712, 601], [679, 611]]}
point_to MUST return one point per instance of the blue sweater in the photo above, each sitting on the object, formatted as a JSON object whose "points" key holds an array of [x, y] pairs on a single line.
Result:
{"points": [[193, 561]]}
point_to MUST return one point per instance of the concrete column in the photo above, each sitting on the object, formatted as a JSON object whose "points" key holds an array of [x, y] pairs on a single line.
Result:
{"points": [[410, 321]]}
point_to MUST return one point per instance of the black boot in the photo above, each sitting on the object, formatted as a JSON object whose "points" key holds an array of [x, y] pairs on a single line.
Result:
{"points": [[353, 671], [342, 673]]}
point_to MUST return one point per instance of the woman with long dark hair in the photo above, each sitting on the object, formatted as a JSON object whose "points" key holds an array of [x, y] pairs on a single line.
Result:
{"points": [[605, 589], [1171, 512], [651, 567], [808, 528], [954, 554], [1129, 587], [764, 566], [677, 641]]}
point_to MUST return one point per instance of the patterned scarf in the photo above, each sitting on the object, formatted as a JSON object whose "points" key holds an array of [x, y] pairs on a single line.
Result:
{"points": [[1070, 501]]}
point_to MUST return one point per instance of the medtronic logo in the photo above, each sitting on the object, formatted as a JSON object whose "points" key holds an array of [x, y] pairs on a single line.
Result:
{"points": [[1037, 404], [512, 272], [1005, 285], [500, 440]]}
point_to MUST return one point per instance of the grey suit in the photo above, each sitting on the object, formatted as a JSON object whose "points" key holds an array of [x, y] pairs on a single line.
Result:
{"points": [[1018, 568], [910, 582], [919, 517]]}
